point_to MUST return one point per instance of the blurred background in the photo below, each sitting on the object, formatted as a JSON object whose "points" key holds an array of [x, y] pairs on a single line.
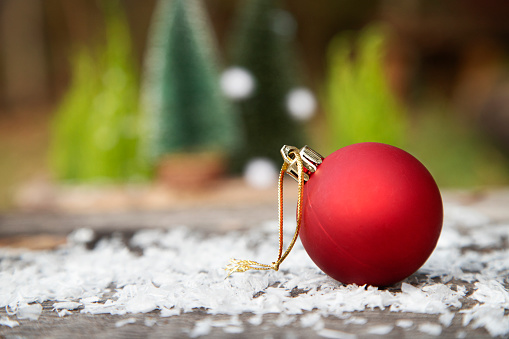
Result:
{"points": [[133, 100]]}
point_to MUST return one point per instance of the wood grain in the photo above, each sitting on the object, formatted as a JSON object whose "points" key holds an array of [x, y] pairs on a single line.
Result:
{"points": [[47, 230]]}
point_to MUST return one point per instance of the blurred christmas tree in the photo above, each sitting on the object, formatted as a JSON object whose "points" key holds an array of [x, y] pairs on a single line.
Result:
{"points": [[262, 79], [186, 111], [361, 106], [95, 132]]}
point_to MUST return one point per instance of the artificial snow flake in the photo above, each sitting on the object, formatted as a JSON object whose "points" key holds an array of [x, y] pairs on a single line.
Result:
{"points": [[63, 313], [5, 321], [404, 323], [284, 320], [31, 312], [124, 322], [431, 329], [201, 327], [256, 320], [446, 318], [489, 316], [312, 320], [380, 329], [80, 236], [149, 322]]}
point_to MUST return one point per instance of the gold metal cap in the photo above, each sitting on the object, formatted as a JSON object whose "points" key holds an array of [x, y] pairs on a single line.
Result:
{"points": [[310, 158]]}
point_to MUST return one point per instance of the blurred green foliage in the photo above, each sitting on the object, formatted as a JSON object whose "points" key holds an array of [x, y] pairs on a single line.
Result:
{"points": [[262, 44], [455, 152], [96, 130], [360, 105]]}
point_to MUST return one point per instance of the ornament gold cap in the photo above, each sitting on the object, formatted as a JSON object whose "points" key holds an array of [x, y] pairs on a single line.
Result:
{"points": [[310, 160]]}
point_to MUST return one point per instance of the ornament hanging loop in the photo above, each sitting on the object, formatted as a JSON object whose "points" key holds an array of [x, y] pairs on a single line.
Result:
{"points": [[299, 164], [310, 161]]}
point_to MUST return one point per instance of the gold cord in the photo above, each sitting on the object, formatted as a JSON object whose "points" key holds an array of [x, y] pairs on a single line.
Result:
{"points": [[237, 265]]}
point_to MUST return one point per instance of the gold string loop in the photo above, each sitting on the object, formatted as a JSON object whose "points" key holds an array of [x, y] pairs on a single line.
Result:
{"points": [[299, 164]]}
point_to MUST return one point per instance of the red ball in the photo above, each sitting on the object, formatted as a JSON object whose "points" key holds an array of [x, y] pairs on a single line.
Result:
{"points": [[372, 214]]}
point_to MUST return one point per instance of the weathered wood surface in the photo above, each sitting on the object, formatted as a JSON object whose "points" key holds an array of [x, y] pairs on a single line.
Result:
{"points": [[29, 229], [212, 218], [50, 325]]}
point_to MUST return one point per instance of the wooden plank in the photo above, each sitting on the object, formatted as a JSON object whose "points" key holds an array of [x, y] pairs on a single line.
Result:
{"points": [[33, 242], [214, 220], [79, 325], [202, 217]]}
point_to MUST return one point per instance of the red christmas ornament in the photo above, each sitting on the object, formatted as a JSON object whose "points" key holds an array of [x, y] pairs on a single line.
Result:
{"points": [[369, 213], [372, 214]]}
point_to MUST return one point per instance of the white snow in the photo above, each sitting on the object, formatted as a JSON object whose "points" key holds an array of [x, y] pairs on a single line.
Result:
{"points": [[124, 322], [63, 313], [256, 320], [284, 320], [446, 318], [404, 323], [380, 329], [201, 327], [311, 320], [80, 236], [180, 270], [28, 311], [237, 83], [5, 321], [149, 322], [204, 327], [301, 104], [430, 328]]}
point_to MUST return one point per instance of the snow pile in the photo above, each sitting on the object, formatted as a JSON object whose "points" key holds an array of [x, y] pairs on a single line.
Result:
{"points": [[170, 272]]}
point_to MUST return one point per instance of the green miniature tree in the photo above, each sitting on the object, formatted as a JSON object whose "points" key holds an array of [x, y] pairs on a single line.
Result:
{"points": [[186, 111], [361, 106], [262, 47], [95, 132]]}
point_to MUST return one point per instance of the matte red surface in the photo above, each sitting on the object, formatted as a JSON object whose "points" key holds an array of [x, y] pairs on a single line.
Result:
{"points": [[372, 214]]}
